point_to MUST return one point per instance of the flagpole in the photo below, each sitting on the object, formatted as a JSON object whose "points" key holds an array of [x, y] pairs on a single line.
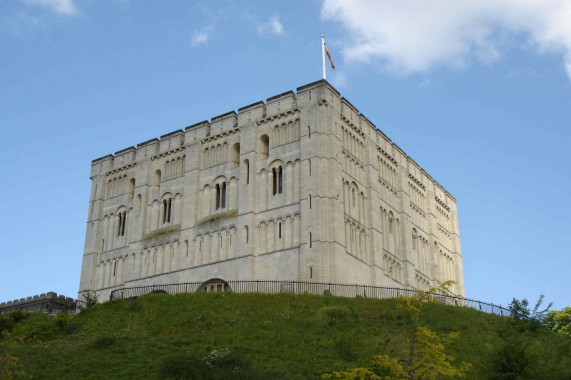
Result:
{"points": [[323, 53]]}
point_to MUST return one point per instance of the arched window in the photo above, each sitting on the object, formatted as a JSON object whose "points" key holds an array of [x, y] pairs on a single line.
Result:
{"points": [[132, 187], [167, 208], [121, 222], [235, 153], [277, 180], [246, 237], [246, 172], [220, 195], [265, 145], [414, 236], [223, 196], [157, 178]]}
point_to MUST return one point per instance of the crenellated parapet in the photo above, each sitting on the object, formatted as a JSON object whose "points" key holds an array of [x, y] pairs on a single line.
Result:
{"points": [[45, 302], [260, 113], [301, 186]]}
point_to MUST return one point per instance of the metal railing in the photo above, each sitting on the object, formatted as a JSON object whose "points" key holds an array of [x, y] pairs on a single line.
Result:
{"points": [[302, 287]]}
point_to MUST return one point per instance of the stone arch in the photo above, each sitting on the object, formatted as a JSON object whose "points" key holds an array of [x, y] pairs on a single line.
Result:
{"points": [[245, 174], [264, 145], [157, 178], [276, 140], [214, 285], [132, 187]]}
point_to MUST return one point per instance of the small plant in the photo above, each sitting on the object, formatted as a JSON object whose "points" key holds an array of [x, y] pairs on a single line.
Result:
{"points": [[90, 299], [62, 320]]}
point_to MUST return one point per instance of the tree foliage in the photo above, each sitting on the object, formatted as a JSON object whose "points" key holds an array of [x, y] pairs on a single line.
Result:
{"points": [[527, 318], [424, 357], [559, 320], [9, 364]]}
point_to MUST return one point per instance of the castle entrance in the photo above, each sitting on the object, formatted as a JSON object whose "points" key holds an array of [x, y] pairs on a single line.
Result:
{"points": [[214, 285]]}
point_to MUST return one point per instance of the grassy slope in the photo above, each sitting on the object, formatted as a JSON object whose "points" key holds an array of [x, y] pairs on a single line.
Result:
{"points": [[297, 336]]}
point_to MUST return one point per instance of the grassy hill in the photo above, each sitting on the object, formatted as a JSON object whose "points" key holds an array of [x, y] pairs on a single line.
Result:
{"points": [[266, 336]]}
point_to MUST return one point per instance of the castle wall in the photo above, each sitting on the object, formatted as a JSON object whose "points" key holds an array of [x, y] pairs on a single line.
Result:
{"points": [[301, 187]]}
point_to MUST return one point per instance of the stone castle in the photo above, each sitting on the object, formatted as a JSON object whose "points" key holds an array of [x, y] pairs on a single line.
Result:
{"points": [[302, 187]]}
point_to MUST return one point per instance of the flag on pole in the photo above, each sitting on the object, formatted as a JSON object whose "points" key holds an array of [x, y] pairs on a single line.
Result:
{"points": [[328, 55]]}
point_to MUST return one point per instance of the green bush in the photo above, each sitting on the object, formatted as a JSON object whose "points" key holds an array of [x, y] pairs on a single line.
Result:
{"points": [[6, 323], [511, 361], [38, 326], [90, 299], [62, 320]]}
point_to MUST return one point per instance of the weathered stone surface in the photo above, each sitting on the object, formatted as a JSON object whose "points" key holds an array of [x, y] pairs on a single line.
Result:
{"points": [[303, 187]]}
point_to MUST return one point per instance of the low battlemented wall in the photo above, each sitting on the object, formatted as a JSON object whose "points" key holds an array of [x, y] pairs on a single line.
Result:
{"points": [[46, 302]]}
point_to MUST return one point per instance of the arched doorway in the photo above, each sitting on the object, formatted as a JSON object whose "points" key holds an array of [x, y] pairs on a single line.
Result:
{"points": [[214, 285]]}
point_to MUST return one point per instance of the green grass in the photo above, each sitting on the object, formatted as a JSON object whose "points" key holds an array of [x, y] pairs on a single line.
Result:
{"points": [[267, 336]]}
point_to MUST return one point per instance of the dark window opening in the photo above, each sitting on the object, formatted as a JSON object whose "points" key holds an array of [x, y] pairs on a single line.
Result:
{"points": [[280, 180], [167, 210], [277, 180], [223, 200]]}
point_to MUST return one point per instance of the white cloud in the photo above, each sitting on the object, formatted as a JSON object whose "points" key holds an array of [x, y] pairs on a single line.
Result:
{"points": [[63, 7], [417, 35], [201, 36], [19, 22], [272, 26], [339, 79]]}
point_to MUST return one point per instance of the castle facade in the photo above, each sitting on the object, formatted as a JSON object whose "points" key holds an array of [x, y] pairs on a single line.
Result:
{"points": [[302, 187]]}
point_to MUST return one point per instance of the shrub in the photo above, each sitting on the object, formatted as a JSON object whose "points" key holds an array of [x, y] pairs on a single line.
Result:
{"points": [[18, 315], [90, 299], [62, 320], [6, 323], [38, 326], [511, 361]]}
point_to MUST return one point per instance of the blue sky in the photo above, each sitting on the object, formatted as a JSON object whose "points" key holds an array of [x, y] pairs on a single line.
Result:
{"points": [[478, 93]]}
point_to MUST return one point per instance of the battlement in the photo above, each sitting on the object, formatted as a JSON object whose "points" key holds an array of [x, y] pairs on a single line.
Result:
{"points": [[267, 191], [319, 91], [45, 302]]}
